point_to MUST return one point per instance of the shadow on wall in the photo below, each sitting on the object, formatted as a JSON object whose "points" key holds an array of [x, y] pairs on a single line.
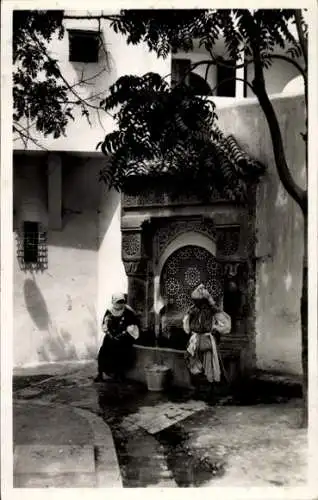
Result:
{"points": [[87, 204], [36, 305], [57, 344]]}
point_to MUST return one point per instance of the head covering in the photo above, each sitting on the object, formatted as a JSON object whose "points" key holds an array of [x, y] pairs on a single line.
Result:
{"points": [[117, 308], [201, 293], [117, 297]]}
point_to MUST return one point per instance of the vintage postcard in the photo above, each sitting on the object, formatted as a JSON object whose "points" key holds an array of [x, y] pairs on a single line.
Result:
{"points": [[158, 249]]}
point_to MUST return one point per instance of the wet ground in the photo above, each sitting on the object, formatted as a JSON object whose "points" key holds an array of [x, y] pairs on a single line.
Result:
{"points": [[202, 448], [148, 457], [172, 439]]}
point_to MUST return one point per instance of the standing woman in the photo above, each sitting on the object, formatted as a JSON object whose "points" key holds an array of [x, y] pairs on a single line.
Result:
{"points": [[205, 322], [121, 329]]}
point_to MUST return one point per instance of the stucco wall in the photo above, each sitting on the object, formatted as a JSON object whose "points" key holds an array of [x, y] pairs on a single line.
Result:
{"points": [[116, 59], [57, 313], [111, 273], [279, 231], [277, 76]]}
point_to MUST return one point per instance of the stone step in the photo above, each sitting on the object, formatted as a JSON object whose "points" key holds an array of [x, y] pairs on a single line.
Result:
{"points": [[45, 466], [67, 480]]}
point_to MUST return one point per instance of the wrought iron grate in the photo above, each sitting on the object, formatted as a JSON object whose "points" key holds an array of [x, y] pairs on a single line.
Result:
{"points": [[32, 251]]}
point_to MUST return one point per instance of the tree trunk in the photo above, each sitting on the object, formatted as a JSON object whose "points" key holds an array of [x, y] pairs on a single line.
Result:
{"points": [[300, 197], [304, 325]]}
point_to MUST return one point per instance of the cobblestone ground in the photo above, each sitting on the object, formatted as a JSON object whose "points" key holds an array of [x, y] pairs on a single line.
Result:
{"points": [[172, 440]]}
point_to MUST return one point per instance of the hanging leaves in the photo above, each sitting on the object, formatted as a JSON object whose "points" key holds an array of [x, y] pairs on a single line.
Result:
{"points": [[165, 29], [171, 132], [39, 93], [143, 105]]}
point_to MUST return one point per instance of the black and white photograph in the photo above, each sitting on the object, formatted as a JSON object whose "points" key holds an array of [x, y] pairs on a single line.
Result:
{"points": [[158, 274]]}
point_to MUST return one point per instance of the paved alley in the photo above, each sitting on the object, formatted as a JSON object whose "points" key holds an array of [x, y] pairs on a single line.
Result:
{"points": [[70, 432]]}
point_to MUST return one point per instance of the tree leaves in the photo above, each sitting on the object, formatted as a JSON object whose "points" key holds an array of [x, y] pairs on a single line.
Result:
{"points": [[151, 117], [39, 93], [170, 132], [163, 131], [165, 30]]}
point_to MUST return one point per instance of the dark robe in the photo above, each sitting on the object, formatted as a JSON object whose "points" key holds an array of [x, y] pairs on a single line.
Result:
{"points": [[116, 354]]}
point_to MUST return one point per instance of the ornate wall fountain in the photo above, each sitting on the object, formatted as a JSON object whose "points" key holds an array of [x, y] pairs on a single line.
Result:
{"points": [[170, 244]]}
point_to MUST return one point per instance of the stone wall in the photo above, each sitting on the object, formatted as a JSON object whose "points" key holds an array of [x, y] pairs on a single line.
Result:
{"points": [[57, 312], [279, 228]]}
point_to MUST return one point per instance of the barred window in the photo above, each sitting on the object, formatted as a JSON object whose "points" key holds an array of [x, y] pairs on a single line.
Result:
{"points": [[30, 242], [32, 246], [83, 46]]}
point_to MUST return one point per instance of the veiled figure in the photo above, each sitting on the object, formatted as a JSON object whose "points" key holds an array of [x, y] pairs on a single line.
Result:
{"points": [[120, 326], [205, 322]]}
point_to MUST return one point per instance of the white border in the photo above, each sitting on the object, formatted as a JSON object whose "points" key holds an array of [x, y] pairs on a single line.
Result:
{"points": [[7, 254]]}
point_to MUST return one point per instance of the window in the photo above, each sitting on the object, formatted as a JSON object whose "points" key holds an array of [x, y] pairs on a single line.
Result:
{"points": [[30, 242], [225, 80], [198, 85], [32, 247], [225, 74], [180, 70], [83, 46]]}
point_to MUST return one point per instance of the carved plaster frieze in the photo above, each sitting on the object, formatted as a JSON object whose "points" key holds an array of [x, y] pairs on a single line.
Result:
{"points": [[165, 234], [131, 244], [228, 240], [135, 267]]}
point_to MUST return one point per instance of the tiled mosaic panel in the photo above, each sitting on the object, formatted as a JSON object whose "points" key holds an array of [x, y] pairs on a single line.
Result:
{"points": [[184, 270]]}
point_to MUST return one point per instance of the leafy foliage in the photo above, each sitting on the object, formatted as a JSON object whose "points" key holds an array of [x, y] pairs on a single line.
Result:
{"points": [[169, 132], [43, 98], [160, 130], [164, 30], [39, 92]]}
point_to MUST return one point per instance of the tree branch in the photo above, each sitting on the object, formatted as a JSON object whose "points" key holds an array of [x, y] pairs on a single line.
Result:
{"points": [[301, 70], [25, 136], [68, 86], [221, 62], [302, 41], [206, 73], [230, 80], [101, 16], [303, 44], [84, 103], [218, 61], [298, 194], [84, 81]]}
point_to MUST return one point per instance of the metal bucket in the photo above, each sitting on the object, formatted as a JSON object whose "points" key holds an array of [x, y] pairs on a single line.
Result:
{"points": [[156, 377]]}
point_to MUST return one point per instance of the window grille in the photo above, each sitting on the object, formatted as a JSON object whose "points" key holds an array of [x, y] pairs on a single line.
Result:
{"points": [[226, 79], [32, 247], [83, 46]]}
